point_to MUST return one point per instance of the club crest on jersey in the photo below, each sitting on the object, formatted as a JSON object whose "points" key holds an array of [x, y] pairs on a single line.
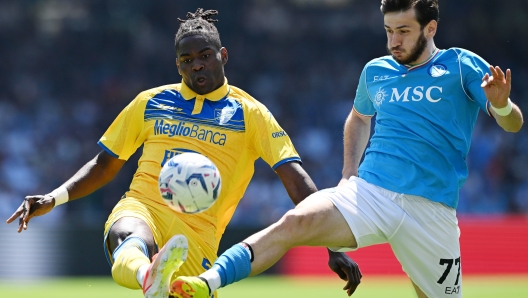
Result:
{"points": [[437, 70], [379, 97], [222, 116]]}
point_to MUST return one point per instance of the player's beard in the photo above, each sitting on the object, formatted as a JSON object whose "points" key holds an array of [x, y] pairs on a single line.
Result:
{"points": [[416, 51]]}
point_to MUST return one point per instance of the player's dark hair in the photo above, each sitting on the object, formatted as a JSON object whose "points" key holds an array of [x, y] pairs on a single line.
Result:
{"points": [[199, 23], [426, 10]]}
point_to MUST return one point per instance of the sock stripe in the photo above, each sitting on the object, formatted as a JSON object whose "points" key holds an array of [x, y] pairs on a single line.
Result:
{"points": [[252, 255], [135, 241]]}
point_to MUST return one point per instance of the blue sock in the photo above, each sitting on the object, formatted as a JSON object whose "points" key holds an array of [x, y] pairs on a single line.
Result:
{"points": [[233, 265]]}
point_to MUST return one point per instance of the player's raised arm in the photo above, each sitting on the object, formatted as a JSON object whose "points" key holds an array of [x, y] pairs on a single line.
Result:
{"points": [[94, 174], [497, 87]]}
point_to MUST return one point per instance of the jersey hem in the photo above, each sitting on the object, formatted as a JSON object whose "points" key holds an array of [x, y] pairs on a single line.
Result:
{"points": [[394, 188], [365, 115]]}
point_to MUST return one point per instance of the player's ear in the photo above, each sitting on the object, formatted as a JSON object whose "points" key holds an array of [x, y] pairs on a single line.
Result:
{"points": [[178, 66], [224, 55], [430, 29]]}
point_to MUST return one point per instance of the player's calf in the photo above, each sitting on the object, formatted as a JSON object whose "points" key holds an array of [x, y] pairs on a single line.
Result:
{"points": [[232, 266]]}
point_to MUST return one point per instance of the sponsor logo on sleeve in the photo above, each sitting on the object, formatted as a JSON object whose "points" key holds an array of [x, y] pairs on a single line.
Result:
{"points": [[278, 134]]}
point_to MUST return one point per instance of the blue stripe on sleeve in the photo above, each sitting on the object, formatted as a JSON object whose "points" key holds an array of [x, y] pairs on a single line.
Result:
{"points": [[275, 166], [107, 150]]}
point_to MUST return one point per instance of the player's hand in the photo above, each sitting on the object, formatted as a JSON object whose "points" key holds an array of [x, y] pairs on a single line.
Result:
{"points": [[497, 86], [32, 206], [347, 269]]}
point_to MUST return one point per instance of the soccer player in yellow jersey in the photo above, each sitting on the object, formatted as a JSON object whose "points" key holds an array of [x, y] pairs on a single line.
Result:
{"points": [[202, 114]]}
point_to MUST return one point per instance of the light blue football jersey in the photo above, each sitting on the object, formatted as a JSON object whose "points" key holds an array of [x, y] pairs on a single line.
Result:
{"points": [[425, 116]]}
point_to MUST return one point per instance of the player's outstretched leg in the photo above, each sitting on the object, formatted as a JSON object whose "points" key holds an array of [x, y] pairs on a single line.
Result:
{"points": [[166, 262], [316, 221], [232, 266]]}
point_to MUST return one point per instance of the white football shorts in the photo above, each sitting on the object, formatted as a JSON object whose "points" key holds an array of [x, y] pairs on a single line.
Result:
{"points": [[423, 234]]}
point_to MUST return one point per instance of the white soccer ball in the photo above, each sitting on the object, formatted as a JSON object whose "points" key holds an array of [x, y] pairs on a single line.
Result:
{"points": [[189, 183]]}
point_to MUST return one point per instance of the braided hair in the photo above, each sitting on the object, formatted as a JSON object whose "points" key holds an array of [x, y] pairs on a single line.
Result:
{"points": [[199, 23]]}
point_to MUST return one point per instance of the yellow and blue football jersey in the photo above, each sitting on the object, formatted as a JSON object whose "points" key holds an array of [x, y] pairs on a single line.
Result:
{"points": [[227, 125]]}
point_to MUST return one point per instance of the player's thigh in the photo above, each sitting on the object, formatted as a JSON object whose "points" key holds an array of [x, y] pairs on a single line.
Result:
{"points": [[360, 214], [316, 222], [163, 224], [201, 254], [130, 217], [427, 245], [200, 234]]}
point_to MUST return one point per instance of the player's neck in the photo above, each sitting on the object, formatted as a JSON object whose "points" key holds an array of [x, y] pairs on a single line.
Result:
{"points": [[429, 52]]}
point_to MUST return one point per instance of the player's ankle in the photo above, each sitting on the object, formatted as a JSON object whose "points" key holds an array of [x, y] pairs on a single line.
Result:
{"points": [[142, 274], [212, 279], [207, 283]]}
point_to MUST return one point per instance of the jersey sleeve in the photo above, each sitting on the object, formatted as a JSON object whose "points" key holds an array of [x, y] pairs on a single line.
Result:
{"points": [[362, 103], [269, 140], [124, 135], [473, 68]]}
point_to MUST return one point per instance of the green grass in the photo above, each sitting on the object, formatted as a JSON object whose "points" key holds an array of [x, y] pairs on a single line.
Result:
{"points": [[268, 286]]}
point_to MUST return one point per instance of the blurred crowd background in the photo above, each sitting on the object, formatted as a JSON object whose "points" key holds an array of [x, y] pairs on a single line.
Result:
{"points": [[68, 67]]}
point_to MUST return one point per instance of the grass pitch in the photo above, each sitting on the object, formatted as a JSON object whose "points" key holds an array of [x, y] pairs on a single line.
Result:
{"points": [[269, 286]]}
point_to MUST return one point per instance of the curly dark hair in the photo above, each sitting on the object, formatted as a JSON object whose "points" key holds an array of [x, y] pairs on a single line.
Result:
{"points": [[199, 23], [426, 10]]}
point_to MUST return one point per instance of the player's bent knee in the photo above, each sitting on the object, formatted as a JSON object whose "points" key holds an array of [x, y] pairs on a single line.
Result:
{"points": [[300, 227], [130, 226]]}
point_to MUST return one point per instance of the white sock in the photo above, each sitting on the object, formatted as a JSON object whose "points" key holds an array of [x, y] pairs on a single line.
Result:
{"points": [[142, 272], [213, 279]]}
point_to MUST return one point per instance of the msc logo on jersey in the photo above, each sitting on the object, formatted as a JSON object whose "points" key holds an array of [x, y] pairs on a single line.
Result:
{"points": [[174, 151], [437, 70], [432, 94], [222, 116], [379, 97], [193, 131]]}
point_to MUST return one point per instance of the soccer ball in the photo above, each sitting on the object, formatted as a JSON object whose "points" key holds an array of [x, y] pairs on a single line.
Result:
{"points": [[189, 183]]}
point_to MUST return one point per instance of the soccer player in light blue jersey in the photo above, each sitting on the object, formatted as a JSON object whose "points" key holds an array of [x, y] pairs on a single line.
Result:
{"points": [[405, 192]]}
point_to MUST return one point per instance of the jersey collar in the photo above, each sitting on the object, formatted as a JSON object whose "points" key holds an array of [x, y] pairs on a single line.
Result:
{"points": [[215, 95], [411, 67]]}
